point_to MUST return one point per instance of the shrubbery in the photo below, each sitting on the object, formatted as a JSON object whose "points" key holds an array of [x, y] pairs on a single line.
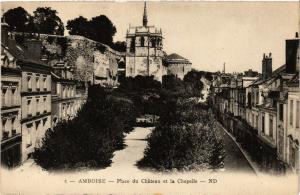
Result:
{"points": [[90, 139], [186, 138]]}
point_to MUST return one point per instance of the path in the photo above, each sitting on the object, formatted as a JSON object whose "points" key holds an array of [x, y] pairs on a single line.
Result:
{"points": [[235, 161]]}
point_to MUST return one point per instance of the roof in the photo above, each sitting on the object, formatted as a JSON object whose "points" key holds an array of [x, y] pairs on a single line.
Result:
{"points": [[294, 81], [175, 58], [21, 53], [275, 73]]}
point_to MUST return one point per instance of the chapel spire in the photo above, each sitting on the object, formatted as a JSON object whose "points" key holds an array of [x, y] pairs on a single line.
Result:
{"points": [[145, 20]]}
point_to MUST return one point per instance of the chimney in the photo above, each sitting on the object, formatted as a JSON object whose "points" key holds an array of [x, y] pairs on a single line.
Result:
{"points": [[267, 66], [292, 55], [4, 31], [34, 47]]}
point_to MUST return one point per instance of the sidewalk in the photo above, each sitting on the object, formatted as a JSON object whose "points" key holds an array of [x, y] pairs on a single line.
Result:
{"points": [[252, 163]]}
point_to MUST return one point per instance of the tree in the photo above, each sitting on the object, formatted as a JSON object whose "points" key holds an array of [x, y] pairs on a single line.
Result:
{"points": [[119, 46], [103, 29], [19, 20], [193, 82], [89, 140], [99, 28], [78, 26], [47, 22]]}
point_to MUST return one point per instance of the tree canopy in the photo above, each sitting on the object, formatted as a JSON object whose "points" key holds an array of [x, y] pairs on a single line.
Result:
{"points": [[44, 20], [119, 46], [18, 19], [99, 28], [47, 21], [78, 26]]}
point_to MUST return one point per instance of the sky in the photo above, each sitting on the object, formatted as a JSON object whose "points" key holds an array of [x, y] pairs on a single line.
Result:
{"points": [[206, 33]]}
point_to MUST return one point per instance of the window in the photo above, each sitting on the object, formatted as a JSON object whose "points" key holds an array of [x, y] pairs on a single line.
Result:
{"points": [[132, 45], [29, 109], [142, 41], [44, 105], [249, 99], [256, 121], [28, 138], [297, 115], [37, 105], [153, 42], [263, 124], [257, 97], [281, 112], [13, 125], [4, 123], [271, 127], [44, 121], [37, 79], [291, 112], [4, 90], [63, 111], [37, 124], [45, 83], [13, 96], [29, 83]]}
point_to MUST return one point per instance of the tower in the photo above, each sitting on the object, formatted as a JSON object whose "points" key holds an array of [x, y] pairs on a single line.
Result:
{"points": [[145, 19], [144, 50]]}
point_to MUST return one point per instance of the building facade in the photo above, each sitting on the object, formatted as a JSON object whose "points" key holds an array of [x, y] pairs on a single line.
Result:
{"points": [[36, 104], [263, 113], [11, 134], [63, 91], [176, 65], [144, 50]]}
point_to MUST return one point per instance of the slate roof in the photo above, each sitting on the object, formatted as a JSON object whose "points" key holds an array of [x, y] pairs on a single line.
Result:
{"points": [[175, 58], [21, 53], [275, 73]]}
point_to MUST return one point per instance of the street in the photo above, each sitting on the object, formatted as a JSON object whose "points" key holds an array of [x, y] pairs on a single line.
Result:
{"points": [[123, 171], [125, 160]]}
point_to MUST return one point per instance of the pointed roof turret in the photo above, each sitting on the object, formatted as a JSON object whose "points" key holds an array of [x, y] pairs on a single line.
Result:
{"points": [[145, 20]]}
